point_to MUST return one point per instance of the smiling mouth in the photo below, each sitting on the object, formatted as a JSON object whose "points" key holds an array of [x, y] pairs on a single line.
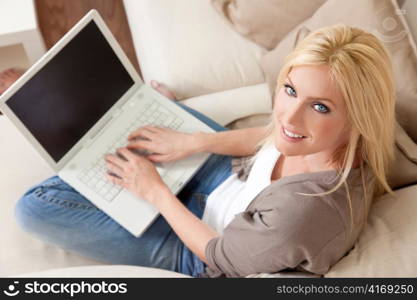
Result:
{"points": [[291, 135]]}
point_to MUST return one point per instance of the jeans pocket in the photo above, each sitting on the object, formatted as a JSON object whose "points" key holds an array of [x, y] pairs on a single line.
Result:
{"points": [[56, 192]]}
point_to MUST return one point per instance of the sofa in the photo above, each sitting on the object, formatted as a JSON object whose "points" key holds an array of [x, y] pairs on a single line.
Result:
{"points": [[215, 67]]}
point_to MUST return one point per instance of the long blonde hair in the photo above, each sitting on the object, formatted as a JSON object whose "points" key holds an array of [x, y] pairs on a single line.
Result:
{"points": [[361, 67]]}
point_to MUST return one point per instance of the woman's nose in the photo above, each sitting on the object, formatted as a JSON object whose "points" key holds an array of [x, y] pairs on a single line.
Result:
{"points": [[294, 115]]}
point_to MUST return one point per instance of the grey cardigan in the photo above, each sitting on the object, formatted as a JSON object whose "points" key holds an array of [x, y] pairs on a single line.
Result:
{"points": [[283, 231]]}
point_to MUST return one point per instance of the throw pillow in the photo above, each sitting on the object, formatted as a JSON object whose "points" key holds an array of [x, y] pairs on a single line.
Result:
{"points": [[265, 22]]}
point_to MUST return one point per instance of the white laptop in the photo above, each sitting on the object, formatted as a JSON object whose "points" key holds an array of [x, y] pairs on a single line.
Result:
{"points": [[79, 102]]}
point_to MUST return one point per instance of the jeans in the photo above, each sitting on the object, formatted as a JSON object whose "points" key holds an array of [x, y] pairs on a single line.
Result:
{"points": [[56, 213]]}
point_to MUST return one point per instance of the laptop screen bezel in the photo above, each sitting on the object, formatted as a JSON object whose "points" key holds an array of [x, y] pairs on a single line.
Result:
{"points": [[94, 16]]}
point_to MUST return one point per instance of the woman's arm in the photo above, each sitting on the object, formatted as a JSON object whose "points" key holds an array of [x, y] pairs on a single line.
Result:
{"points": [[238, 142], [166, 144], [138, 175], [191, 230], [169, 145]]}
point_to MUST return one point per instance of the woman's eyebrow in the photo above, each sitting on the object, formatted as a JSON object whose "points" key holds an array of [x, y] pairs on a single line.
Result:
{"points": [[312, 98]]}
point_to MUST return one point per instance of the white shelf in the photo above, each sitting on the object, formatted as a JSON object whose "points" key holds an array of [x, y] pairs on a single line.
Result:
{"points": [[18, 25], [16, 16], [13, 56]]}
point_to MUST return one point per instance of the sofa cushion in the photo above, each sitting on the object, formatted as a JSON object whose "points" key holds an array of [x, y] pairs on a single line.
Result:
{"points": [[387, 246], [188, 46], [251, 121], [235, 104], [265, 22], [403, 171], [22, 168], [409, 10]]}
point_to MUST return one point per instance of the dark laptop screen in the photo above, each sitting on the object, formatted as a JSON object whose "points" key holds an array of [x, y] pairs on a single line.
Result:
{"points": [[71, 92]]}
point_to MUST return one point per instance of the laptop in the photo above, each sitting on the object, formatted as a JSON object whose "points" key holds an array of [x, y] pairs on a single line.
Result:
{"points": [[79, 102]]}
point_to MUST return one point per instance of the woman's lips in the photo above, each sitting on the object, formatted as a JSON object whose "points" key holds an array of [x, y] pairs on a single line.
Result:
{"points": [[290, 139]]}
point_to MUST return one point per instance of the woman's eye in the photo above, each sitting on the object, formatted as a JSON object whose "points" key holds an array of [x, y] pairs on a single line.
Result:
{"points": [[322, 108], [289, 90]]}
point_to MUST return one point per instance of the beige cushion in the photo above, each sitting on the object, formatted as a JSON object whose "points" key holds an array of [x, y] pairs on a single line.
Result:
{"points": [[387, 246], [409, 10], [227, 106], [265, 22], [380, 17], [251, 121], [188, 46], [403, 171]]}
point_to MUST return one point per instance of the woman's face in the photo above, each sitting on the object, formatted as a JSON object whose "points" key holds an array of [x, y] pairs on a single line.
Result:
{"points": [[309, 104]]}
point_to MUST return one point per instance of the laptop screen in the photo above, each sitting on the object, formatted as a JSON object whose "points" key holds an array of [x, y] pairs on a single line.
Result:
{"points": [[64, 99]]}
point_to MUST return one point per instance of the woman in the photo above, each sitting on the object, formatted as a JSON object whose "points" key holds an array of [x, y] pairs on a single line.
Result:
{"points": [[281, 209]]}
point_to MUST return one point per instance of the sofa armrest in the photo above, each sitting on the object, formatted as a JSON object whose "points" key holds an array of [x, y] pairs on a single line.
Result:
{"points": [[228, 106]]}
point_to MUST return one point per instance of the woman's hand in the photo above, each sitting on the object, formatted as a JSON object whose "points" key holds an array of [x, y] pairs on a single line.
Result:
{"points": [[165, 144], [162, 144], [136, 174]]}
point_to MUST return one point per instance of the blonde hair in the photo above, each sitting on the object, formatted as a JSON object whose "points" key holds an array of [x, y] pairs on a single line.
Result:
{"points": [[361, 67]]}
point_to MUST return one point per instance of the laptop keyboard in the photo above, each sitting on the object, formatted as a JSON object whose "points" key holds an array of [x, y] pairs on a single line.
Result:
{"points": [[151, 113]]}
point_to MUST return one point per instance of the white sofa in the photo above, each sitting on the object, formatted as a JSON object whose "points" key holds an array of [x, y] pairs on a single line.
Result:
{"points": [[187, 46]]}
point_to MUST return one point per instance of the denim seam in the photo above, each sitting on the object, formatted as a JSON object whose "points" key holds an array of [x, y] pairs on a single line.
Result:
{"points": [[61, 202], [52, 183], [201, 199], [197, 262]]}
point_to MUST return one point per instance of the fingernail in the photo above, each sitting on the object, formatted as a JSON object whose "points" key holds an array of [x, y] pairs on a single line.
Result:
{"points": [[154, 83]]}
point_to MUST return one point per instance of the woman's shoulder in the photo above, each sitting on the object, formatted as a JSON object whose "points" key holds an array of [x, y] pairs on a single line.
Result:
{"points": [[291, 194], [319, 182]]}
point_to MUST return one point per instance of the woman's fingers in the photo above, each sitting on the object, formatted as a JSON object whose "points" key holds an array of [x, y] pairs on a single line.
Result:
{"points": [[141, 145], [117, 170], [128, 154], [159, 157], [120, 159], [145, 131], [115, 160], [160, 144], [114, 179]]}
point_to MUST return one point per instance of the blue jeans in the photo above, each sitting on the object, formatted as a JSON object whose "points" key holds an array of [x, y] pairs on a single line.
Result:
{"points": [[56, 213]]}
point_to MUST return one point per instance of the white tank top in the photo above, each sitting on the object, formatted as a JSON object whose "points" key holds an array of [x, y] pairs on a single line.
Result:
{"points": [[233, 195]]}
